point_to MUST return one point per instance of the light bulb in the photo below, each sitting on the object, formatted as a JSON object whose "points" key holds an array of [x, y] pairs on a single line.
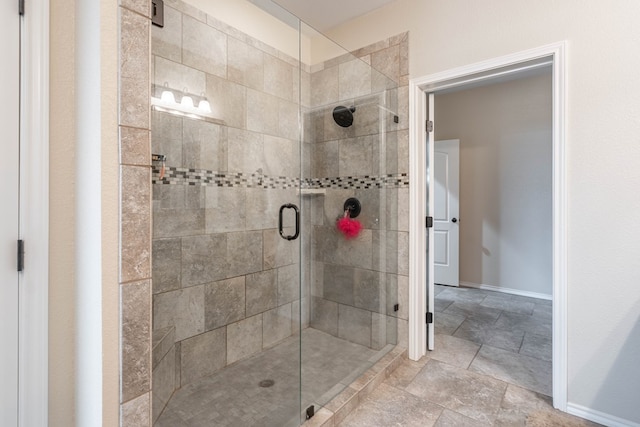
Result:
{"points": [[187, 102], [167, 97], [204, 106]]}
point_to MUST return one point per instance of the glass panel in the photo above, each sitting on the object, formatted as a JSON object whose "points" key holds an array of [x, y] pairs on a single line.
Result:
{"points": [[351, 274], [226, 284]]}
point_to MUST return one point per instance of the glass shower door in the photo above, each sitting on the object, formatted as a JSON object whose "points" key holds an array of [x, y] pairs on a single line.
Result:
{"points": [[226, 178]]}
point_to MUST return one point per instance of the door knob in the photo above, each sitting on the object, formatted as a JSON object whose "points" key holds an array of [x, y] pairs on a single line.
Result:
{"points": [[454, 220]]}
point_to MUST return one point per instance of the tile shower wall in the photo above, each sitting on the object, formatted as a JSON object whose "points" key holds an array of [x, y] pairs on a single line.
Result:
{"points": [[225, 284], [135, 214], [356, 283]]}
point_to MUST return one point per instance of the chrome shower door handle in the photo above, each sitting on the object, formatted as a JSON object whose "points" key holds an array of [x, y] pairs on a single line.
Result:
{"points": [[280, 221]]}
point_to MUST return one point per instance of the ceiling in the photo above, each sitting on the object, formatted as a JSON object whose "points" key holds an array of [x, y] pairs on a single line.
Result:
{"points": [[325, 14]]}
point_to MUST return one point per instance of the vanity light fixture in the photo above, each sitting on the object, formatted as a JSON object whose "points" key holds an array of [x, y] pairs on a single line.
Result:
{"points": [[186, 106]]}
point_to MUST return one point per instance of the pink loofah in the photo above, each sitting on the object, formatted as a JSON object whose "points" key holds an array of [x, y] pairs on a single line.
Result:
{"points": [[349, 227]]}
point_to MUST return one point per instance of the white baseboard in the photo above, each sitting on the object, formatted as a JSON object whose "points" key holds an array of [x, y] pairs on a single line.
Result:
{"points": [[507, 290], [599, 417]]}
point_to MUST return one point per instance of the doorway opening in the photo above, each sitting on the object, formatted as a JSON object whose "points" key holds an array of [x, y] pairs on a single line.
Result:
{"points": [[422, 108]]}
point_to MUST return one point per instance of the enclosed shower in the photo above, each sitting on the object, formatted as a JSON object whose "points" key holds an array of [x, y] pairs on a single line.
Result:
{"points": [[265, 137]]}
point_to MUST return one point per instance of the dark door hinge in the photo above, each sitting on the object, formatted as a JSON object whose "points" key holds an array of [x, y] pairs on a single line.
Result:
{"points": [[21, 7], [429, 318], [157, 12], [429, 222], [20, 255]]}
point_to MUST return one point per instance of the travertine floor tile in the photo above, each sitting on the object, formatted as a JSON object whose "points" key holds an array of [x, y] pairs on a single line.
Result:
{"points": [[522, 322], [441, 304], [473, 395], [461, 294], [405, 373], [525, 407], [537, 346], [528, 372], [454, 419], [454, 351], [474, 398], [474, 310], [508, 303], [447, 324], [389, 406], [485, 333]]}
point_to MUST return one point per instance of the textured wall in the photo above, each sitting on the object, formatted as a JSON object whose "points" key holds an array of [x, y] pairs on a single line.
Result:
{"points": [[505, 181], [61, 215], [135, 215], [357, 282]]}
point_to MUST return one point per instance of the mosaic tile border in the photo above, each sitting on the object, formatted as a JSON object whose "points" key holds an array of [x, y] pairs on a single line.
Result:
{"points": [[400, 180], [202, 177]]}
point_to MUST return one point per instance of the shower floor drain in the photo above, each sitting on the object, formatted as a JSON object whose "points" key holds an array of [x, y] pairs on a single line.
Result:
{"points": [[266, 383]]}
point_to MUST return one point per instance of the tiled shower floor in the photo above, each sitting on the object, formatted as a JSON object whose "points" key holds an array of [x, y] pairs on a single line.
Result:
{"points": [[233, 396]]}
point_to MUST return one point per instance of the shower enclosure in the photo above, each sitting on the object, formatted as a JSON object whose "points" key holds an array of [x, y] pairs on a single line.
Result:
{"points": [[264, 135]]}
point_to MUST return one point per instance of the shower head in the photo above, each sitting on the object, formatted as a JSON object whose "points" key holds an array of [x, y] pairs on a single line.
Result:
{"points": [[343, 115]]}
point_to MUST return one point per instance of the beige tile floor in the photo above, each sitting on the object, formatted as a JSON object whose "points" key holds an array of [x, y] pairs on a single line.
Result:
{"points": [[491, 367]]}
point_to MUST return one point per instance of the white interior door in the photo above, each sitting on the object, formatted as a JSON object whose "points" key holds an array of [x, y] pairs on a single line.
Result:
{"points": [[446, 223], [9, 172]]}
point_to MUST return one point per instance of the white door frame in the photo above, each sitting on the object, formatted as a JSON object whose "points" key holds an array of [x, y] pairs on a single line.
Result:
{"points": [[418, 89], [34, 216]]}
